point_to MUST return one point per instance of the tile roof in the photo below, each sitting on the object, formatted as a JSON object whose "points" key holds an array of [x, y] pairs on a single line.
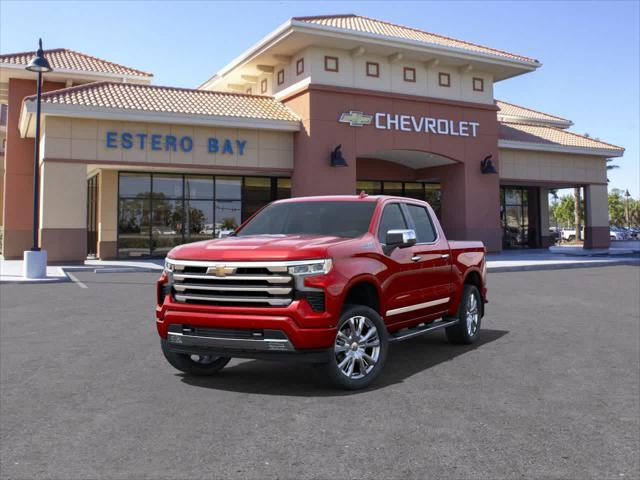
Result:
{"points": [[512, 110], [544, 135], [370, 25], [65, 59], [152, 98]]}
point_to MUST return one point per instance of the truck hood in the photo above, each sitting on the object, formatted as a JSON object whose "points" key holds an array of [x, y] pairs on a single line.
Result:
{"points": [[258, 248]]}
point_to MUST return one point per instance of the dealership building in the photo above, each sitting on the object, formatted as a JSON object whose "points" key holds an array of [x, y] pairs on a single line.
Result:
{"points": [[322, 105]]}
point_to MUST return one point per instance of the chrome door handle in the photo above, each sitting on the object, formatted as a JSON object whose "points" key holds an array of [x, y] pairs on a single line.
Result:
{"points": [[444, 256], [415, 258]]}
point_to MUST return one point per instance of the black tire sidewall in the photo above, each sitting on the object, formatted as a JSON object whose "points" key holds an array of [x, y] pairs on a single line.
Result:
{"points": [[459, 333], [337, 377]]}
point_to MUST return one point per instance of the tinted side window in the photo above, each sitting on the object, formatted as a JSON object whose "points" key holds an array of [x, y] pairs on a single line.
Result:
{"points": [[392, 219], [424, 228]]}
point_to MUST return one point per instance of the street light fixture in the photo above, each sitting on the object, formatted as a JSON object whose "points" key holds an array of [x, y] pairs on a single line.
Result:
{"points": [[626, 208], [35, 260]]}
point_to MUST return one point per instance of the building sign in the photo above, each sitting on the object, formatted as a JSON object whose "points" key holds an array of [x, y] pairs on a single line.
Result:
{"points": [[411, 123], [171, 143]]}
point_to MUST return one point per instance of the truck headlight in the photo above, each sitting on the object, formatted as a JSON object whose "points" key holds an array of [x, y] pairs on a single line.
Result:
{"points": [[168, 267], [312, 267]]}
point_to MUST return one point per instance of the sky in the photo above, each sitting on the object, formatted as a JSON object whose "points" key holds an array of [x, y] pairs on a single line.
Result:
{"points": [[590, 51]]}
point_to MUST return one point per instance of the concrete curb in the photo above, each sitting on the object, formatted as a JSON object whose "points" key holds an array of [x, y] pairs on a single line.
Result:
{"points": [[562, 266]]}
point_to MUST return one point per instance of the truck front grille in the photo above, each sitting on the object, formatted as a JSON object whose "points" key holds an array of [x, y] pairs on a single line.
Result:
{"points": [[258, 284]]}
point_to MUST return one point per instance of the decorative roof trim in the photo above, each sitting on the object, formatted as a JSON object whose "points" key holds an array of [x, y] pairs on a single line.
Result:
{"points": [[135, 73], [545, 147], [445, 37]]}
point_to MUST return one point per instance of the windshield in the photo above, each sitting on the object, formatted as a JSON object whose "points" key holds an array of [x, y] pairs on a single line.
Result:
{"points": [[335, 218]]}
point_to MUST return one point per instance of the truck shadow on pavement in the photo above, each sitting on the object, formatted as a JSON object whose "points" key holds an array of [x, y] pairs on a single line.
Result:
{"points": [[305, 380]]}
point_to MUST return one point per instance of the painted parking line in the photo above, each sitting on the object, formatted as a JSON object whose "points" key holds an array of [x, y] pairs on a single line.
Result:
{"points": [[75, 280]]}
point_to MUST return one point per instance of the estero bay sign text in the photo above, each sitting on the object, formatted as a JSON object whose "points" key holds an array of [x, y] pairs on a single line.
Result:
{"points": [[411, 123], [171, 143]]}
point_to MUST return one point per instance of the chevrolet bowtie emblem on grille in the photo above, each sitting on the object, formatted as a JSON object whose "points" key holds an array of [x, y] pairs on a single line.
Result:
{"points": [[220, 271], [355, 119]]}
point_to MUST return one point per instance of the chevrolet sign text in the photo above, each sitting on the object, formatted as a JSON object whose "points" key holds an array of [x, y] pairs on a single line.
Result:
{"points": [[438, 126]]}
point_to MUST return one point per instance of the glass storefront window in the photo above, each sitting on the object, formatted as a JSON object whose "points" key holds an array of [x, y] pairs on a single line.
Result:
{"points": [[283, 189], [198, 188], [255, 195], [167, 186], [135, 185], [166, 225], [199, 223], [370, 188], [133, 227], [159, 211], [432, 195], [392, 188], [414, 190], [228, 217], [228, 188]]}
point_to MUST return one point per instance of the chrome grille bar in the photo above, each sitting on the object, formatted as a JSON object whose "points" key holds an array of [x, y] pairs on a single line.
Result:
{"points": [[235, 288], [266, 278], [267, 284], [235, 300]]}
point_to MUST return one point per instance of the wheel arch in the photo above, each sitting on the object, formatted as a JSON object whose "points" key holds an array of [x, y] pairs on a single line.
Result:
{"points": [[363, 290]]}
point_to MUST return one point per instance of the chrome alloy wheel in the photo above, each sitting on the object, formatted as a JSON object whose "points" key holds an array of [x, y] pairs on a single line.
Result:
{"points": [[357, 347], [472, 316], [203, 359]]}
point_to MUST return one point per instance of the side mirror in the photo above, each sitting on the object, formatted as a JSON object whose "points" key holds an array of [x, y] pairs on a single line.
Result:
{"points": [[400, 238]]}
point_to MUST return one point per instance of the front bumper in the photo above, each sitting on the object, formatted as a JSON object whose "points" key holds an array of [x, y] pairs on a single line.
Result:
{"points": [[243, 343]]}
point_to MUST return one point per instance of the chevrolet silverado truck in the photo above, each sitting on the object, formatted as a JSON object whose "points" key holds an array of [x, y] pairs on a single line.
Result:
{"points": [[329, 280]]}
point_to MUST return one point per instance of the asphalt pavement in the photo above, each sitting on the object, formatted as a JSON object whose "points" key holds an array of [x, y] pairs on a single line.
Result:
{"points": [[550, 391]]}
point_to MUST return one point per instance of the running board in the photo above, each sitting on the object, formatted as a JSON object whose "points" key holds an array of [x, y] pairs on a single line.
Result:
{"points": [[416, 331]]}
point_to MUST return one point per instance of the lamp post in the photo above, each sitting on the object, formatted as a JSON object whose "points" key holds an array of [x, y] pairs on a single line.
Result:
{"points": [[626, 208], [35, 260]]}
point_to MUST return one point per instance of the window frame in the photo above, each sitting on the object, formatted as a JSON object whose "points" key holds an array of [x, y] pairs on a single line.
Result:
{"points": [[413, 225], [327, 59], [300, 66], [402, 213], [377, 67], [480, 82], [443, 75], [263, 85], [407, 70], [280, 76]]}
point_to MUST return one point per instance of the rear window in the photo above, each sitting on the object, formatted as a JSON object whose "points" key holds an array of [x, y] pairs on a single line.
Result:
{"points": [[334, 218]]}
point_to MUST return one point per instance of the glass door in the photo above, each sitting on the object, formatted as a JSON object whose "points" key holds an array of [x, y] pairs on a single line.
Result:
{"points": [[92, 216]]}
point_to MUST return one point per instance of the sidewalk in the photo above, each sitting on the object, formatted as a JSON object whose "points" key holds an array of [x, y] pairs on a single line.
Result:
{"points": [[506, 261]]}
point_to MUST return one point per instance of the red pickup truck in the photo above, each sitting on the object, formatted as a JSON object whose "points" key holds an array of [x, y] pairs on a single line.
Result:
{"points": [[329, 280]]}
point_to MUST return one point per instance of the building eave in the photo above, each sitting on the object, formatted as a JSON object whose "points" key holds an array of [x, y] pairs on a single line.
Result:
{"points": [[532, 121], [129, 115], [541, 147], [82, 73], [296, 26]]}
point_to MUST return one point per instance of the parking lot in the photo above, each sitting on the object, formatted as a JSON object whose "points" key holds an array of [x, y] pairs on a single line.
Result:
{"points": [[551, 390]]}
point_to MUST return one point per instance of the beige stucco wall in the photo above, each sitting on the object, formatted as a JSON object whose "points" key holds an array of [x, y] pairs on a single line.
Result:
{"points": [[552, 167], [352, 73], [597, 211], [63, 195], [108, 206], [85, 140]]}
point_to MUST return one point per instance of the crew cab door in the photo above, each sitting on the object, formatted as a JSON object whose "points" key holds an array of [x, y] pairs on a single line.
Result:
{"points": [[401, 285], [431, 256]]}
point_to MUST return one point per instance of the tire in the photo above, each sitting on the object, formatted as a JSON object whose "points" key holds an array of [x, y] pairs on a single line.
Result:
{"points": [[467, 330], [360, 348], [571, 238], [198, 365]]}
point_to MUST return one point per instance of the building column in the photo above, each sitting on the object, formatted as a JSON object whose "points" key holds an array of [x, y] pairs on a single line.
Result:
{"points": [[546, 240], [596, 216], [63, 211], [312, 170], [470, 203], [107, 214], [18, 173]]}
